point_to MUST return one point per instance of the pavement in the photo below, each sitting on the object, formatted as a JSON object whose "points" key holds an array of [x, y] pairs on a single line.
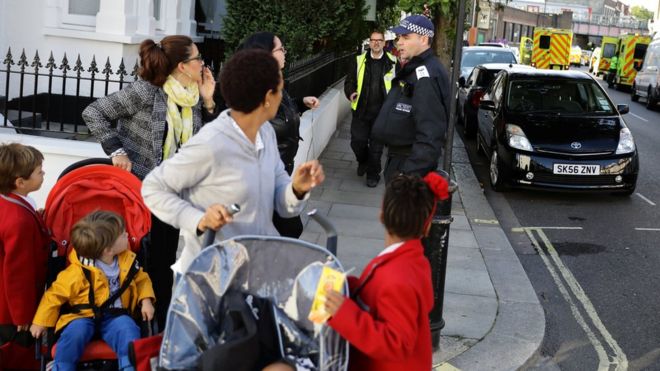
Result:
{"points": [[493, 318]]}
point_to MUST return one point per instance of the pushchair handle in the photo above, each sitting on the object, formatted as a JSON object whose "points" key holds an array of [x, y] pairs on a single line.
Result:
{"points": [[330, 231], [208, 238], [209, 234]]}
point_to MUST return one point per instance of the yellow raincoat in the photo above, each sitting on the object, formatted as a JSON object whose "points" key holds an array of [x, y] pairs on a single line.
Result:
{"points": [[71, 287]]}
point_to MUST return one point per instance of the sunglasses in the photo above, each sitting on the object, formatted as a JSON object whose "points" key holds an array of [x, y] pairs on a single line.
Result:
{"points": [[198, 57]]}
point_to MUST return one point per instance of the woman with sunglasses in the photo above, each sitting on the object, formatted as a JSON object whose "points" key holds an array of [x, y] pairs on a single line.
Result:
{"points": [[286, 122], [156, 115]]}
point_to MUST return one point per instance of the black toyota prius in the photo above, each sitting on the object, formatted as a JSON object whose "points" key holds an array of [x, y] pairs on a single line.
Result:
{"points": [[555, 130]]}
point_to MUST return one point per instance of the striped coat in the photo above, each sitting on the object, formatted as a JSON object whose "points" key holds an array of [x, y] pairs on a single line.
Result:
{"points": [[139, 111]]}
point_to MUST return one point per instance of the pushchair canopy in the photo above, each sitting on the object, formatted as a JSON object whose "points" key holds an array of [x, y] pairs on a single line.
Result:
{"points": [[283, 270], [96, 187]]}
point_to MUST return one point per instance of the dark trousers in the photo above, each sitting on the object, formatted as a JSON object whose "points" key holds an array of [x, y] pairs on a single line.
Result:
{"points": [[288, 227], [366, 149], [393, 166], [161, 255]]}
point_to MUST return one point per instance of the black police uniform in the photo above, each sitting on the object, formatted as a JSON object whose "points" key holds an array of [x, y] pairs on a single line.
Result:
{"points": [[413, 119]]}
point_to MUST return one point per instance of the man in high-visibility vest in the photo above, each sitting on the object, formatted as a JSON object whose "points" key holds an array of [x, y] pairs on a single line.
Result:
{"points": [[611, 75], [368, 81]]}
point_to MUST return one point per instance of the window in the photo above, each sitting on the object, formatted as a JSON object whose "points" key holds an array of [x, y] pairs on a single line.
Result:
{"points": [[609, 50], [472, 79], [485, 77], [516, 33], [159, 14], [80, 12], [498, 88], [640, 51], [544, 42], [508, 30]]}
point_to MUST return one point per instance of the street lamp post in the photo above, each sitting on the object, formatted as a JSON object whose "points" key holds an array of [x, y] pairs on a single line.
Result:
{"points": [[437, 241]]}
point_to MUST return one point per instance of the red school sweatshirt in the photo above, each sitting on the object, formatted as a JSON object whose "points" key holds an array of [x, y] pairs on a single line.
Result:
{"points": [[387, 323]]}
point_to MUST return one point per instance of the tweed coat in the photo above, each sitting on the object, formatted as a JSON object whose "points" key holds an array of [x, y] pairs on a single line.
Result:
{"points": [[140, 111]]}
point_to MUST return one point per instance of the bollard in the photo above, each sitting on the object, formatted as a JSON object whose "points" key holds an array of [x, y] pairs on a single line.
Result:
{"points": [[435, 250]]}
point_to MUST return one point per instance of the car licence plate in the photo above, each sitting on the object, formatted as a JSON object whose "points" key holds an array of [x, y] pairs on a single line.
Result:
{"points": [[576, 169]]}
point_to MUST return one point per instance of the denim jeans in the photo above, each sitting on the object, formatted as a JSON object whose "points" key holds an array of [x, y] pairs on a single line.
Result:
{"points": [[117, 332]]}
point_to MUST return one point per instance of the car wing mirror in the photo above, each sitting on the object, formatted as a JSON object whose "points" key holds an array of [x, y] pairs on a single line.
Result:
{"points": [[487, 105], [622, 108], [461, 81]]}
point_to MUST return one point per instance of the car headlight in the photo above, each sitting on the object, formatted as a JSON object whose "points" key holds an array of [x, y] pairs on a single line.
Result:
{"points": [[626, 142], [517, 139]]}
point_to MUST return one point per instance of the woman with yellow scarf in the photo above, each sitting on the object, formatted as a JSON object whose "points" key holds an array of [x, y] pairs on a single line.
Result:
{"points": [[155, 116]]}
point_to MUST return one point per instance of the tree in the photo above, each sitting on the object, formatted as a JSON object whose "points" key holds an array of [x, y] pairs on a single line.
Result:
{"points": [[306, 26], [641, 13], [444, 14]]}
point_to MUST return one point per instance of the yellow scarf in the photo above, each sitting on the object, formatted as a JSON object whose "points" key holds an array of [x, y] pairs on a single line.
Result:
{"points": [[179, 123]]}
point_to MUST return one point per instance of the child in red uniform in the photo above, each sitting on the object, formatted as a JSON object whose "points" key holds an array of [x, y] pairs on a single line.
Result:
{"points": [[386, 319], [24, 241]]}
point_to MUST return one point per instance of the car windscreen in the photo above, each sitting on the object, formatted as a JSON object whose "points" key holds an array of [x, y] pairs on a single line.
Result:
{"points": [[473, 58], [568, 97]]}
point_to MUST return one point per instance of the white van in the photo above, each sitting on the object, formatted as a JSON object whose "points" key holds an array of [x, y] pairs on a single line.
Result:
{"points": [[647, 81]]}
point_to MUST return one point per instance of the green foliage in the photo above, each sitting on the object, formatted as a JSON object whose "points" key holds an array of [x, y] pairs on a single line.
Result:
{"points": [[444, 14], [387, 14], [641, 13], [305, 26]]}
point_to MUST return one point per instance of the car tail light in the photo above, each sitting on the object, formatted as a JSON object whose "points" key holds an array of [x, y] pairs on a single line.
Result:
{"points": [[476, 98]]}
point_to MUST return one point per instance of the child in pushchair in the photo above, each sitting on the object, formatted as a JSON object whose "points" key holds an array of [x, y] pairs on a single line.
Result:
{"points": [[101, 266], [87, 187], [243, 304]]}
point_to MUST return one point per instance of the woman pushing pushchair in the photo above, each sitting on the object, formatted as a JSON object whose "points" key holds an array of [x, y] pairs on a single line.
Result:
{"points": [[233, 159]]}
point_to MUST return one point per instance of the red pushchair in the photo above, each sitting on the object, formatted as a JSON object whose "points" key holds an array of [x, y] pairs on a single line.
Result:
{"points": [[83, 187]]}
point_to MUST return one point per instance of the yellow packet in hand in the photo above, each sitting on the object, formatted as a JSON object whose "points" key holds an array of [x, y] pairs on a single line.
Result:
{"points": [[330, 278]]}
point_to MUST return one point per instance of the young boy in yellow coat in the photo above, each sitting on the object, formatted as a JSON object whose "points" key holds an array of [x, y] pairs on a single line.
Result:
{"points": [[102, 263]]}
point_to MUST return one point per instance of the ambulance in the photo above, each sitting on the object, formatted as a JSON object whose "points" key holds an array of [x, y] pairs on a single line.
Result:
{"points": [[607, 50], [551, 48], [632, 49], [575, 56]]}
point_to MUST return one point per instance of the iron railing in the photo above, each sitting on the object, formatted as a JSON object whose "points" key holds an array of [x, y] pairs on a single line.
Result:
{"points": [[49, 100], [58, 96]]}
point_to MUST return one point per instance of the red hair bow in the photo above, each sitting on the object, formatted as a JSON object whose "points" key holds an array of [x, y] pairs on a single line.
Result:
{"points": [[438, 185]]}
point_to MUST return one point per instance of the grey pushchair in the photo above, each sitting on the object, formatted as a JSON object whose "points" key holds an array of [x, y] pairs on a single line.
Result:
{"points": [[277, 277]]}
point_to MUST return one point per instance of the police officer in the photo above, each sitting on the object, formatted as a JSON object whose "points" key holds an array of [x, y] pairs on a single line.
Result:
{"points": [[367, 83], [413, 119]]}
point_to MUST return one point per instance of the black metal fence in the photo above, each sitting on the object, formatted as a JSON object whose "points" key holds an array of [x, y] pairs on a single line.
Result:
{"points": [[48, 100]]}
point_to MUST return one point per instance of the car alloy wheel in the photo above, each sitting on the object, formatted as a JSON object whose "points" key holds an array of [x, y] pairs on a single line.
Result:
{"points": [[496, 173]]}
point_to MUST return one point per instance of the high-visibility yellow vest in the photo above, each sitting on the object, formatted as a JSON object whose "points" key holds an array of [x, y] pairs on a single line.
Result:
{"points": [[614, 61], [387, 78]]}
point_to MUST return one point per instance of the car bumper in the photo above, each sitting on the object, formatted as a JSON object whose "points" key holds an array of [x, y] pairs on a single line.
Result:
{"points": [[617, 172]]}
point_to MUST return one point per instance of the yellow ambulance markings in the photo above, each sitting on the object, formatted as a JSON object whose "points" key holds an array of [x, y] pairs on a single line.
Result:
{"points": [[557, 54]]}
